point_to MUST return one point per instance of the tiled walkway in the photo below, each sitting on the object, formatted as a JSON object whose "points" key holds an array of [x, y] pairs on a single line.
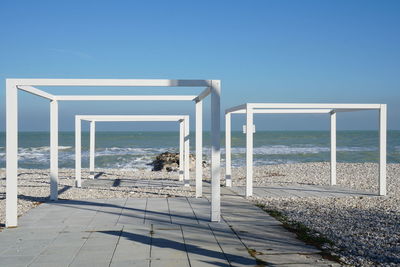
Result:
{"points": [[152, 232]]}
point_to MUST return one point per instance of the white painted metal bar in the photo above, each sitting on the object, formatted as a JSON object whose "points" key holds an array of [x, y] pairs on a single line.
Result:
{"points": [[203, 94], [78, 159], [284, 111], [28, 85], [199, 148], [92, 149], [382, 149], [249, 151], [181, 149], [182, 119], [125, 97], [183, 135], [12, 153], [333, 148], [114, 82], [291, 108], [131, 117], [314, 105], [38, 92], [353, 109], [215, 151], [233, 109], [53, 150], [228, 155], [186, 176]]}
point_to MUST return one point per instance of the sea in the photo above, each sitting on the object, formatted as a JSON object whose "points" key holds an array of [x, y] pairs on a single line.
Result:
{"points": [[135, 150]]}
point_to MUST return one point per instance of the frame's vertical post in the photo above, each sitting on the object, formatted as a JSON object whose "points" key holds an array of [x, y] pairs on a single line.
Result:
{"points": [[78, 159], [333, 148], [92, 148], [215, 151], [228, 156], [53, 150], [199, 148], [11, 154], [249, 151], [382, 149], [181, 142], [187, 153]]}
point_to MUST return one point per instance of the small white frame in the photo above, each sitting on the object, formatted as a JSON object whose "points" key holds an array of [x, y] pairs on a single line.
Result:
{"points": [[184, 147], [212, 87], [301, 108]]}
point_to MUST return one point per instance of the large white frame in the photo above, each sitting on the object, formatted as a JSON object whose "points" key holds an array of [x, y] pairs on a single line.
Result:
{"points": [[212, 87], [184, 147], [301, 108]]}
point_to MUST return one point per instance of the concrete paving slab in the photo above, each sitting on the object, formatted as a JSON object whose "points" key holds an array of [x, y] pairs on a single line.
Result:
{"points": [[152, 232], [169, 263], [157, 211], [16, 261], [167, 243], [130, 263]]}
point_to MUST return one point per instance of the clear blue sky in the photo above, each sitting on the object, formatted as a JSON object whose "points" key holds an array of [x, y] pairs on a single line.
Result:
{"points": [[263, 51]]}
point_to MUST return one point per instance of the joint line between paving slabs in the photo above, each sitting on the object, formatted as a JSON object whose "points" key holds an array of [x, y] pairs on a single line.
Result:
{"points": [[116, 245], [236, 234], [169, 211], [191, 207], [76, 254], [145, 210], [122, 210], [52, 241], [184, 243], [151, 242], [215, 237]]}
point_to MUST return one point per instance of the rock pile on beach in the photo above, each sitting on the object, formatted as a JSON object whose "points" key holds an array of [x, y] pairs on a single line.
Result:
{"points": [[169, 161]]}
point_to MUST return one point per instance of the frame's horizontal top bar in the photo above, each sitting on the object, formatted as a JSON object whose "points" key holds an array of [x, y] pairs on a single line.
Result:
{"points": [[232, 109], [125, 97], [315, 105], [132, 117], [353, 109], [335, 107], [203, 94], [286, 111], [37, 92], [112, 82]]}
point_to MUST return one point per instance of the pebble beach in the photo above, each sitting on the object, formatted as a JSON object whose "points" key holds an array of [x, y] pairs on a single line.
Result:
{"points": [[365, 231]]}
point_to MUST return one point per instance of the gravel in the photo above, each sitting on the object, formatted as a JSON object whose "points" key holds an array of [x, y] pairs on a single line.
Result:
{"points": [[365, 230]]}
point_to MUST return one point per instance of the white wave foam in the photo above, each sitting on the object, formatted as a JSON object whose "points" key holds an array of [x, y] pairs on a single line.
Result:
{"points": [[285, 150], [132, 150]]}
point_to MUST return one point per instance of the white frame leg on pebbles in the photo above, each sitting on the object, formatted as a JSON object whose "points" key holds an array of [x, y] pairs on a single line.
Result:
{"points": [[212, 88], [184, 132], [301, 108]]}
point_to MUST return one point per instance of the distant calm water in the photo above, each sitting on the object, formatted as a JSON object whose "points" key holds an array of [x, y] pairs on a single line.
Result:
{"points": [[132, 150]]}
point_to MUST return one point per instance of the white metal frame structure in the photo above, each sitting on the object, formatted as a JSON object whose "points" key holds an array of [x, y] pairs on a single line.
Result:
{"points": [[295, 108], [184, 146], [212, 87]]}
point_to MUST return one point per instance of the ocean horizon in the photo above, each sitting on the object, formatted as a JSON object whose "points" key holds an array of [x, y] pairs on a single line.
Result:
{"points": [[135, 150]]}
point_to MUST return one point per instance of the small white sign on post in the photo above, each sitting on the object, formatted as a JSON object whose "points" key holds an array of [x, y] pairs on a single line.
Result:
{"points": [[244, 128]]}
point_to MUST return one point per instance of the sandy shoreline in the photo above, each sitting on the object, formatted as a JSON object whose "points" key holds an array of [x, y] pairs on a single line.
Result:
{"points": [[365, 231]]}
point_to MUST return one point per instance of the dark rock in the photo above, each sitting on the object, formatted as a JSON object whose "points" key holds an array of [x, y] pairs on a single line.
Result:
{"points": [[169, 161]]}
